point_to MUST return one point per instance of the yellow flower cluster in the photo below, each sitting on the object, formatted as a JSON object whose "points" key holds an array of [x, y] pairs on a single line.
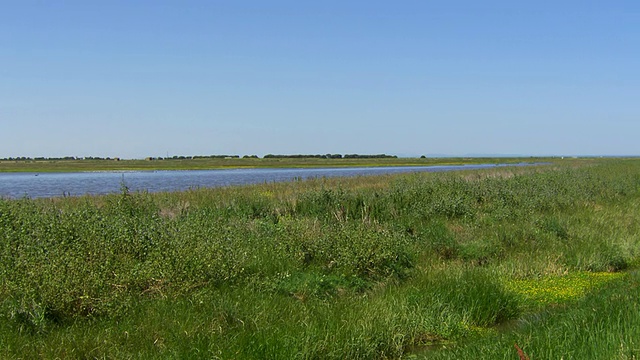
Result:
{"points": [[558, 289]]}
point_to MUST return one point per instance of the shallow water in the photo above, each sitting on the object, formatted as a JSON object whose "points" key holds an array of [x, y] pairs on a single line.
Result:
{"points": [[32, 185]]}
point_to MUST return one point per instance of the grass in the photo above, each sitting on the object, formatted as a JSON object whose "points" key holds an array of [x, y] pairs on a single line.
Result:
{"points": [[446, 265], [601, 324], [42, 166], [553, 290]]}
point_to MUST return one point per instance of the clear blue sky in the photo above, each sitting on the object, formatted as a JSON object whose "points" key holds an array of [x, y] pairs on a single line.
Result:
{"points": [[150, 78]]}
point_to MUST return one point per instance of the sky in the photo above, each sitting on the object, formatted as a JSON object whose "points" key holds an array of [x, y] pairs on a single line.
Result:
{"points": [[133, 79]]}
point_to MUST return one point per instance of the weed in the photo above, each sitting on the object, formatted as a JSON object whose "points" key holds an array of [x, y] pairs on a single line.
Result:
{"points": [[375, 267]]}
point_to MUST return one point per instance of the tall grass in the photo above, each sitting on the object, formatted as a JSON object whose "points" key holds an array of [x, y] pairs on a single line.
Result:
{"points": [[370, 267], [601, 325]]}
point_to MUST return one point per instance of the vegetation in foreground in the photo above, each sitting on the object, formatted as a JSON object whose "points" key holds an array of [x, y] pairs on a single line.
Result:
{"points": [[446, 265]]}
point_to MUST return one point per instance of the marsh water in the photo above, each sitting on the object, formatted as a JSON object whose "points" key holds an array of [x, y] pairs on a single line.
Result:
{"points": [[33, 185]]}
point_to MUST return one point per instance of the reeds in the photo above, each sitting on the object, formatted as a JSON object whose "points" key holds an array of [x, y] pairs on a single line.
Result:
{"points": [[371, 267]]}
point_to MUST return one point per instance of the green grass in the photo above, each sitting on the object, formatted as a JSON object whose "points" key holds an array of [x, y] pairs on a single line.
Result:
{"points": [[455, 265], [554, 290], [42, 166], [598, 325]]}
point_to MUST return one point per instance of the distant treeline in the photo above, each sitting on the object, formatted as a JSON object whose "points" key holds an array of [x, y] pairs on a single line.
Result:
{"points": [[268, 156], [40, 158], [24, 158], [207, 157], [330, 156]]}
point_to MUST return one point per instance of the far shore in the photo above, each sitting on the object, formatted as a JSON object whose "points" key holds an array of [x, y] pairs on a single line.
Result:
{"points": [[84, 165]]}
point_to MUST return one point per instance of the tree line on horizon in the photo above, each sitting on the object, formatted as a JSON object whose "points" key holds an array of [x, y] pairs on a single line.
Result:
{"points": [[331, 156], [268, 156], [42, 158]]}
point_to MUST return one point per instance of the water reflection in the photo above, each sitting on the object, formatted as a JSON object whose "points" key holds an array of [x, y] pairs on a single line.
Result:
{"points": [[16, 185]]}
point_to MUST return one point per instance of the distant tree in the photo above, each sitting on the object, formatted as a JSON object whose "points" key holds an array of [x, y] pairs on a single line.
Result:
{"points": [[377, 156]]}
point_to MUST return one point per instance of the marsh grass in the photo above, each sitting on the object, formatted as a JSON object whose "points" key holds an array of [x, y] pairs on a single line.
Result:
{"points": [[554, 290], [74, 165], [368, 267], [601, 324]]}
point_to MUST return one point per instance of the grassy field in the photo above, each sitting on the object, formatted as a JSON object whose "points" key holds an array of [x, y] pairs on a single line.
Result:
{"points": [[456, 265], [40, 166]]}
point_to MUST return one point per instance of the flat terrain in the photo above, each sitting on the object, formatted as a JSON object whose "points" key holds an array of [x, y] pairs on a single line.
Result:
{"points": [[201, 164], [459, 265]]}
